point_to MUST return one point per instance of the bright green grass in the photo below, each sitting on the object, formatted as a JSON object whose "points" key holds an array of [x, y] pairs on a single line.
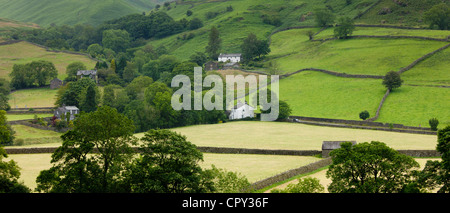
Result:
{"points": [[315, 94], [435, 70], [16, 117], [380, 31], [29, 98], [354, 56], [414, 106], [294, 136], [24, 52]]}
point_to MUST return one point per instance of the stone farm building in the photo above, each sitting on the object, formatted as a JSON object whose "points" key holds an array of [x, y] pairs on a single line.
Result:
{"points": [[242, 111], [72, 110], [56, 83], [87, 73], [234, 58]]}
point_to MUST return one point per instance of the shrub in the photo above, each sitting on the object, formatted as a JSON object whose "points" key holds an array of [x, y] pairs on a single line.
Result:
{"points": [[364, 115], [304, 185], [433, 123]]}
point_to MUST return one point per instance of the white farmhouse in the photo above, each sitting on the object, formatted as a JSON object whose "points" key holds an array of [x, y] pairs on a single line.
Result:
{"points": [[234, 58], [242, 111]]}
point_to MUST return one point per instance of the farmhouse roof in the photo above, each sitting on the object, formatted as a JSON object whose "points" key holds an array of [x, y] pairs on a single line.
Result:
{"points": [[86, 72]]}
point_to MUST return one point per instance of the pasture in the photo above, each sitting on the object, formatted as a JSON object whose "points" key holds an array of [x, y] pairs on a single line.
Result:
{"points": [[29, 98], [24, 52], [315, 94], [372, 56]]}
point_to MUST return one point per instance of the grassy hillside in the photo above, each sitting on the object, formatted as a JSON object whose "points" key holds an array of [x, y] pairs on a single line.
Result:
{"points": [[24, 52], [71, 12], [401, 12], [246, 17]]}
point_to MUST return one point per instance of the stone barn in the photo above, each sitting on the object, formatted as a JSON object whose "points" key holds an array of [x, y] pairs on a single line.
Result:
{"points": [[328, 146], [56, 83]]}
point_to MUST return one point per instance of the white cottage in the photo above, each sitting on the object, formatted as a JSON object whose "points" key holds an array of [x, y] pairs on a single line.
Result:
{"points": [[234, 58], [242, 111], [62, 111]]}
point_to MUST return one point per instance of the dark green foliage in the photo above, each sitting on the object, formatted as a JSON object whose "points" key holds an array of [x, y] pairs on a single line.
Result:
{"points": [[369, 168], [364, 115], [168, 164], [195, 23], [284, 110], [74, 170], [344, 28], [74, 67], [436, 174], [90, 102], [36, 73], [6, 132], [324, 17], [72, 95], [189, 12], [433, 123], [392, 80], [199, 58], [252, 47], [214, 44], [438, 16], [9, 176]]}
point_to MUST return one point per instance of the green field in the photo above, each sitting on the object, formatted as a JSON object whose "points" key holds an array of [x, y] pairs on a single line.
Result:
{"points": [[17, 117], [414, 106], [293, 136], [380, 31], [433, 71], [315, 94], [371, 56], [29, 98], [34, 137], [24, 52]]}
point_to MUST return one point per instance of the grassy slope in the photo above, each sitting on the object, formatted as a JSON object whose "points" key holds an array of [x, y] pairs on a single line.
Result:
{"points": [[354, 56], [46, 12], [410, 15], [244, 19], [23, 52], [28, 98]]}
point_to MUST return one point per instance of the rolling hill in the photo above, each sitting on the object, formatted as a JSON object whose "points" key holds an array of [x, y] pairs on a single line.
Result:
{"points": [[46, 12]]}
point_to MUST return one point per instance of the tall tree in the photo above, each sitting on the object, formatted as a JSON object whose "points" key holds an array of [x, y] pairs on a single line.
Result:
{"points": [[369, 168], [72, 68], [438, 16], [6, 132], [74, 169], [345, 28], [9, 176], [89, 103], [168, 164], [324, 17], [214, 44]]}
